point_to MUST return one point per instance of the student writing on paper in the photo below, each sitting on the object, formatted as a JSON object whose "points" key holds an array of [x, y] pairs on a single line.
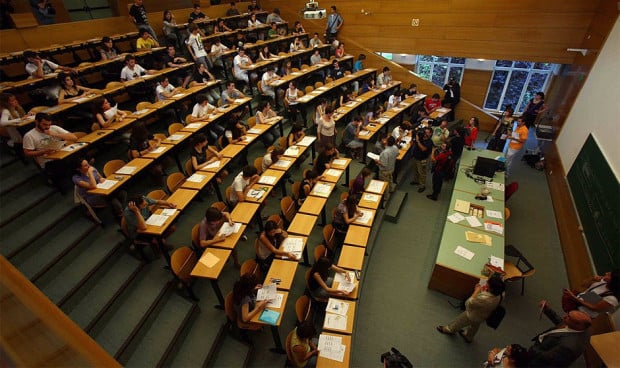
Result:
{"points": [[359, 183], [346, 213], [306, 186], [320, 282], [267, 246], [304, 350], [263, 116], [86, 178], [244, 299], [209, 231], [513, 355], [202, 155], [295, 135], [325, 158], [242, 183], [137, 212], [141, 142]]}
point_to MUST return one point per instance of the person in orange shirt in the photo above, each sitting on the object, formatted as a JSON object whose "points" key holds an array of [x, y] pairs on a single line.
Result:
{"points": [[517, 141]]}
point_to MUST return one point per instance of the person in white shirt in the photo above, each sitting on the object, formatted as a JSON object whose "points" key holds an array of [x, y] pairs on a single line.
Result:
{"points": [[37, 67], [385, 77], [11, 113], [394, 100], [165, 90], [217, 49], [132, 70], [269, 77], [241, 63], [201, 111], [242, 184], [253, 22], [315, 41], [196, 47], [296, 45], [45, 138]]}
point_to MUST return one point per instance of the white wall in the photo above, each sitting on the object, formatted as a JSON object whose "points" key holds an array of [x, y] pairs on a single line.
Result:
{"points": [[597, 109]]}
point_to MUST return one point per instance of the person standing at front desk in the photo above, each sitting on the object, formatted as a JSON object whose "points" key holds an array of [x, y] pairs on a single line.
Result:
{"points": [[421, 151], [478, 308], [517, 141]]}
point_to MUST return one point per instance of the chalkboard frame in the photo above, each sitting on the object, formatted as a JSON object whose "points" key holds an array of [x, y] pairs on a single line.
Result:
{"points": [[596, 194]]}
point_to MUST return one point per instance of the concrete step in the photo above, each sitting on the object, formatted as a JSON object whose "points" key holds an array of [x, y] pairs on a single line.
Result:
{"points": [[22, 199], [397, 200]]}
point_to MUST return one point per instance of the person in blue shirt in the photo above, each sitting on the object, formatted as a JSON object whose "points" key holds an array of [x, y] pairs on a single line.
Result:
{"points": [[359, 63]]}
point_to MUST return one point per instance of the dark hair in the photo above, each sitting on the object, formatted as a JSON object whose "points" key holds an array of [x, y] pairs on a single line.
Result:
{"points": [[263, 104], [321, 266], [297, 127], [97, 105], [142, 31], [29, 54], [196, 5], [276, 152], [334, 7], [365, 171], [249, 171], [311, 174], [614, 283], [276, 10], [61, 79], [306, 330], [139, 133], [270, 225], [386, 69], [435, 95], [361, 57], [328, 146], [129, 57], [519, 355], [413, 85], [193, 27], [105, 39], [541, 94], [199, 138], [213, 214], [496, 285], [351, 204], [201, 98], [244, 287], [137, 199], [166, 12], [391, 141], [329, 109], [476, 121], [42, 116]]}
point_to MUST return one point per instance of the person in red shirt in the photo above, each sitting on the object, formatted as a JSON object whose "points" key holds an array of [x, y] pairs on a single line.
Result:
{"points": [[431, 104], [472, 128]]}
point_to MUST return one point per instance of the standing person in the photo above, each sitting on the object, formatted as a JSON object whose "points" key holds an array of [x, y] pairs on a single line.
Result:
{"points": [[326, 129], [169, 27], [196, 47], [517, 141], [472, 134], [535, 107], [422, 149], [457, 142], [137, 13], [500, 133], [290, 100], [478, 308], [442, 164], [334, 22], [452, 96], [387, 163]]}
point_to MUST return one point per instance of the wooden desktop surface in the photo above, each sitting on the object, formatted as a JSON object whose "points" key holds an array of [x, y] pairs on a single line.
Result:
{"points": [[302, 224], [322, 362], [213, 272], [350, 317], [182, 197], [357, 235], [351, 258], [313, 205], [283, 270], [244, 212], [284, 294]]}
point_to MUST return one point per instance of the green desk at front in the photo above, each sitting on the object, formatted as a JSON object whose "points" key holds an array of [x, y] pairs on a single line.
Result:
{"points": [[453, 274]]}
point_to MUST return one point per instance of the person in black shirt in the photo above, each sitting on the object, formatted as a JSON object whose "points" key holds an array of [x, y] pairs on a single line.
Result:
{"points": [[171, 60], [140, 144], [337, 72], [457, 142], [325, 158], [422, 148], [137, 12]]}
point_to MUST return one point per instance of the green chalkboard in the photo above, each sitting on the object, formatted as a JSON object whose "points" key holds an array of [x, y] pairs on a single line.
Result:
{"points": [[596, 193]]}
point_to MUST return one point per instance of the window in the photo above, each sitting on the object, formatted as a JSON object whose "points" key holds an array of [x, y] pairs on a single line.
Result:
{"points": [[515, 83], [387, 55], [439, 69]]}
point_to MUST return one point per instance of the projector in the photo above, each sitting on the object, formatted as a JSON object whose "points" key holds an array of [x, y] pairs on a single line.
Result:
{"points": [[314, 14], [312, 11]]}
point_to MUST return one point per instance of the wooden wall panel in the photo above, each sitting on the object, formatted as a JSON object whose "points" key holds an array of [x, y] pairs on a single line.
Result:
{"points": [[475, 85]]}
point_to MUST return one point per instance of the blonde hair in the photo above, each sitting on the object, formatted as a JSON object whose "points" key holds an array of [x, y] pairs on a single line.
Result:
{"points": [[16, 112]]}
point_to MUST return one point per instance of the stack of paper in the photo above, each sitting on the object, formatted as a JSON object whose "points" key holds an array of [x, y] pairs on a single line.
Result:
{"points": [[176, 137], [256, 194], [267, 292], [293, 245], [372, 156], [127, 170], [156, 220], [496, 186], [370, 197], [456, 217], [107, 184], [212, 165], [473, 221], [331, 347], [196, 178], [365, 217], [209, 259], [375, 186], [255, 131], [227, 229], [339, 162], [306, 141], [322, 188], [335, 321], [292, 151], [337, 306], [333, 172], [478, 238], [267, 179], [283, 163], [159, 149], [494, 226], [495, 214]]}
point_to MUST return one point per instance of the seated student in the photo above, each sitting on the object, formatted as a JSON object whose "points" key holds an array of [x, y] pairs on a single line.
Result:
{"points": [[235, 133], [310, 179], [232, 10], [320, 283], [146, 41], [220, 26], [132, 70], [336, 72], [253, 22], [325, 158], [359, 183], [45, 138], [265, 54], [513, 355], [217, 49], [315, 41], [165, 89], [346, 213], [359, 64], [298, 28], [87, 177], [171, 60], [254, 7], [169, 28], [394, 100], [230, 94], [304, 350], [37, 67], [339, 50], [385, 77], [107, 51], [315, 58], [346, 97], [268, 244], [411, 91], [242, 184], [198, 155], [241, 64], [287, 68], [271, 157], [350, 137], [267, 80], [373, 116], [141, 143], [401, 131], [244, 299], [433, 103], [273, 31], [263, 116], [201, 77], [196, 16], [209, 230], [295, 136], [138, 211], [296, 45], [105, 114], [12, 112], [368, 85], [200, 112], [69, 89]]}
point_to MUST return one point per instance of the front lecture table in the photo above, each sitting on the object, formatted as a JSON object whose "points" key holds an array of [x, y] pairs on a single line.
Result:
{"points": [[453, 274]]}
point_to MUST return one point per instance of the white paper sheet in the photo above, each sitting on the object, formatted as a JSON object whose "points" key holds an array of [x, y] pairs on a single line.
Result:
{"points": [[337, 306], [333, 172], [465, 253], [196, 178], [156, 220], [473, 221], [212, 165], [335, 321], [227, 229], [339, 162], [371, 197], [267, 292], [267, 179], [456, 217], [306, 141], [209, 259], [159, 149], [168, 211], [107, 184], [495, 214], [127, 170]]}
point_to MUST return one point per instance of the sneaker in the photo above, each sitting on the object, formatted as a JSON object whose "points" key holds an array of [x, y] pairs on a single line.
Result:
{"points": [[244, 237], [432, 197], [421, 189]]}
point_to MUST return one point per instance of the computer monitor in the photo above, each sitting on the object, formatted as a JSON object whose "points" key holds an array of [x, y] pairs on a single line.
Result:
{"points": [[485, 167]]}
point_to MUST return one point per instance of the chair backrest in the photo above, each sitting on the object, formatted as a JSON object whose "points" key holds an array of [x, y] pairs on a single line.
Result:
{"points": [[188, 119], [309, 89], [160, 136], [174, 127], [258, 164], [227, 193], [157, 194], [259, 87], [289, 348], [114, 84], [328, 236], [124, 228], [295, 69], [220, 142], [329, 80], [344, 195], [250, 266], [143, 105], [189, 168], [277, 219], [287, 206], [196, 236], [182, 263], [111, 166], [229, 309], [174, 180], [295, 188], [220, 206], [319, 251], [510, 190], [251, 121], [318, 84], [304, 66], [95, 126], [303, 309], [282, 142]]}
